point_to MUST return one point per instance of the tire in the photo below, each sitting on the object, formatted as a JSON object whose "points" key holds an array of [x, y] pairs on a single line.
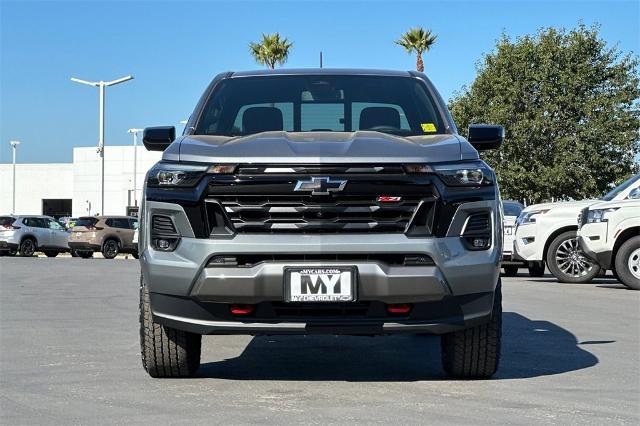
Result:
{"points": [[74, 253], [536, 269], [474, 353], [49, 253], [85, 254], [566, 261], [135, 255], [628, 263], [510, 270], [27, 247], [110, 249], [166, 352]]}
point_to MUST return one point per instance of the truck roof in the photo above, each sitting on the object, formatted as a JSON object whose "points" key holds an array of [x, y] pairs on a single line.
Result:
{"points": [[316, 71]]}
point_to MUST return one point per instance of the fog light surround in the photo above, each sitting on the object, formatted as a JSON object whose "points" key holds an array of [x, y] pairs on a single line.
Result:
{"points": [[165, 243]]}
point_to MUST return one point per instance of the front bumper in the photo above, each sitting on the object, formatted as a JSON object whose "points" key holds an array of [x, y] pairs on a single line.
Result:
{"points": [[525, 243], [602, 258], [454, 292]]}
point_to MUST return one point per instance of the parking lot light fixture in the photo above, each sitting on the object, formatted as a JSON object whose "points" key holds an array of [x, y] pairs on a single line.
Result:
{"points": [[101, 85], [14, 146], [135, 163]]}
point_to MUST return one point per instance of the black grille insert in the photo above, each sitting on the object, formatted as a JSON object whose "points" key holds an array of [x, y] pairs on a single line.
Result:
{"points": [[317, 214], [477, 223], [163, 225]]}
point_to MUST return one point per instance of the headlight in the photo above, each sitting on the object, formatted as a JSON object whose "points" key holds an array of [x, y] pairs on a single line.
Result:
{"points": [[599, 215], [529, 217], [456, 174], [165, 174]]}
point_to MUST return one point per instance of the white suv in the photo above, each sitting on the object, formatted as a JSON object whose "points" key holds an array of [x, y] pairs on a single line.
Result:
{"points": [[610, 235], [28, 234], [547, 232]]}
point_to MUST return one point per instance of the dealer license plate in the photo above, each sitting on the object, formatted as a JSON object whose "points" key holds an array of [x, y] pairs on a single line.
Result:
{"points": [[319, 284]]}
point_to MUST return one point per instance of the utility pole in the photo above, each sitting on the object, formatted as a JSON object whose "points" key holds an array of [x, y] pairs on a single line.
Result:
{"points": [[101, 85], [321, 59], [14, 146], [135, 132]]}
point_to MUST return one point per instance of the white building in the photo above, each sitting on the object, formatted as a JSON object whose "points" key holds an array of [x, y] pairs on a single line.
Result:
{"points": [[74, 188]]}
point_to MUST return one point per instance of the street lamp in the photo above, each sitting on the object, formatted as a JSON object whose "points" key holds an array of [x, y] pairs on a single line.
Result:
{"points": [[101, 85], [135, 163], [14, 146]]}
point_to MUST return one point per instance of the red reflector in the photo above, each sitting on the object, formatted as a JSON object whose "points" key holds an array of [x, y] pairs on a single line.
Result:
{"points": [[399, 309], [242, 309], [389, 199]]}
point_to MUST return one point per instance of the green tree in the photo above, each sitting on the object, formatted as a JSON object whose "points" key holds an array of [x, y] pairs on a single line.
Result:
{"points": [[417, 40], [271, 50], [570, 107]]}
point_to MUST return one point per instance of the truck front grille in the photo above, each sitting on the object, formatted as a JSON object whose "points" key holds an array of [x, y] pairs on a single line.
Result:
{"points": [[317, 214]]}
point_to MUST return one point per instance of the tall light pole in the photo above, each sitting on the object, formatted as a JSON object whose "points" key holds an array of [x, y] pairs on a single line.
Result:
{"points": [[14, 146], [135, 163], [101, 85]]}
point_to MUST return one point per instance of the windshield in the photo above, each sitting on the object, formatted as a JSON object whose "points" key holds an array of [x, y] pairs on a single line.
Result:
{"points": [[512, 209], [86, 221], [314, 103], [620, 188]]}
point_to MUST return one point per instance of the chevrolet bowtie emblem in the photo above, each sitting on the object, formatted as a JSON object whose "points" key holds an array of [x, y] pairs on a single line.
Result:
{"points": [[320, 185]]}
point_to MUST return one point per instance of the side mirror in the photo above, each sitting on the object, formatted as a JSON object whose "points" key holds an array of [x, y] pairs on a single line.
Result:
{"points": [[634, 194], [158, 138], [485, 136]]}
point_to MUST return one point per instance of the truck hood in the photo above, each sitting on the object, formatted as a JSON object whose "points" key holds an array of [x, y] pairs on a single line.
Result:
{"points": [[569, 205], [320, 147]]}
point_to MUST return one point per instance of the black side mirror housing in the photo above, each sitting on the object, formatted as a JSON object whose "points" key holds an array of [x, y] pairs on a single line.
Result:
{"points": [[158, 138], [485, 136]]}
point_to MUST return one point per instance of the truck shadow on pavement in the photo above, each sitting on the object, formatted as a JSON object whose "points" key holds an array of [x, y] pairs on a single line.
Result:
{"points": [[530, 349]]}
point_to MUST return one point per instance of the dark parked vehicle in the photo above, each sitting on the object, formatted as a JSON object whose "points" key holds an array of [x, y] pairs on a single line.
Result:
{"points": [[321, 201]]}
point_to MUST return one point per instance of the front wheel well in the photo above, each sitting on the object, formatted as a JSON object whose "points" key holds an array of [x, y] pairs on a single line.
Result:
{"points": [[553, 236], [624, 236], [29, 237]]}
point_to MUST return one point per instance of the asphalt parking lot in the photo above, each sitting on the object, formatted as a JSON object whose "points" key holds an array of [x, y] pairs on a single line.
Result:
{"points": [[70, 355]]}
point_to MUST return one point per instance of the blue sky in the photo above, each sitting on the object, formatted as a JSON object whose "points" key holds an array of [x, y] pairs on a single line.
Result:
{"points": [[174, 49]]}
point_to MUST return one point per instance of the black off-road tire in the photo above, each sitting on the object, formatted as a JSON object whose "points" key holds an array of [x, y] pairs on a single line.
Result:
{"points": [[166, 352], [536, 269], [474, 353], [110, 249], [510, 270], [559, 273], [50, 253], [27, 247], [628, 253]]}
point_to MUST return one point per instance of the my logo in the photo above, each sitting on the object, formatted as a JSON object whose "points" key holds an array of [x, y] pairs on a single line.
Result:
{"points": [[309, 284], [320, 185]]}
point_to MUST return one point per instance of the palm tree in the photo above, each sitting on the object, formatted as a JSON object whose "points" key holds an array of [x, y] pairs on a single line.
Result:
{"points": [[271, 50], [417, 40]]}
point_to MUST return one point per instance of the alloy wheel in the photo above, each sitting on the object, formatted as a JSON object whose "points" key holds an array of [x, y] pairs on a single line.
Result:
{"points": [[111, 248], [634, 263], [571, 260]]}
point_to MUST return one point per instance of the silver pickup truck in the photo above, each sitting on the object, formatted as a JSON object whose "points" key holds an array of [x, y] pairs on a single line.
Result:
{"points": [[321, 201]]}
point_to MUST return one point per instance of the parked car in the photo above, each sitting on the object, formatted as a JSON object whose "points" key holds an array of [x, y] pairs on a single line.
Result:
{"points": [[547, 232], [511, 264], [110, 235], [610, 235], [321, 202], [28, 234]]}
